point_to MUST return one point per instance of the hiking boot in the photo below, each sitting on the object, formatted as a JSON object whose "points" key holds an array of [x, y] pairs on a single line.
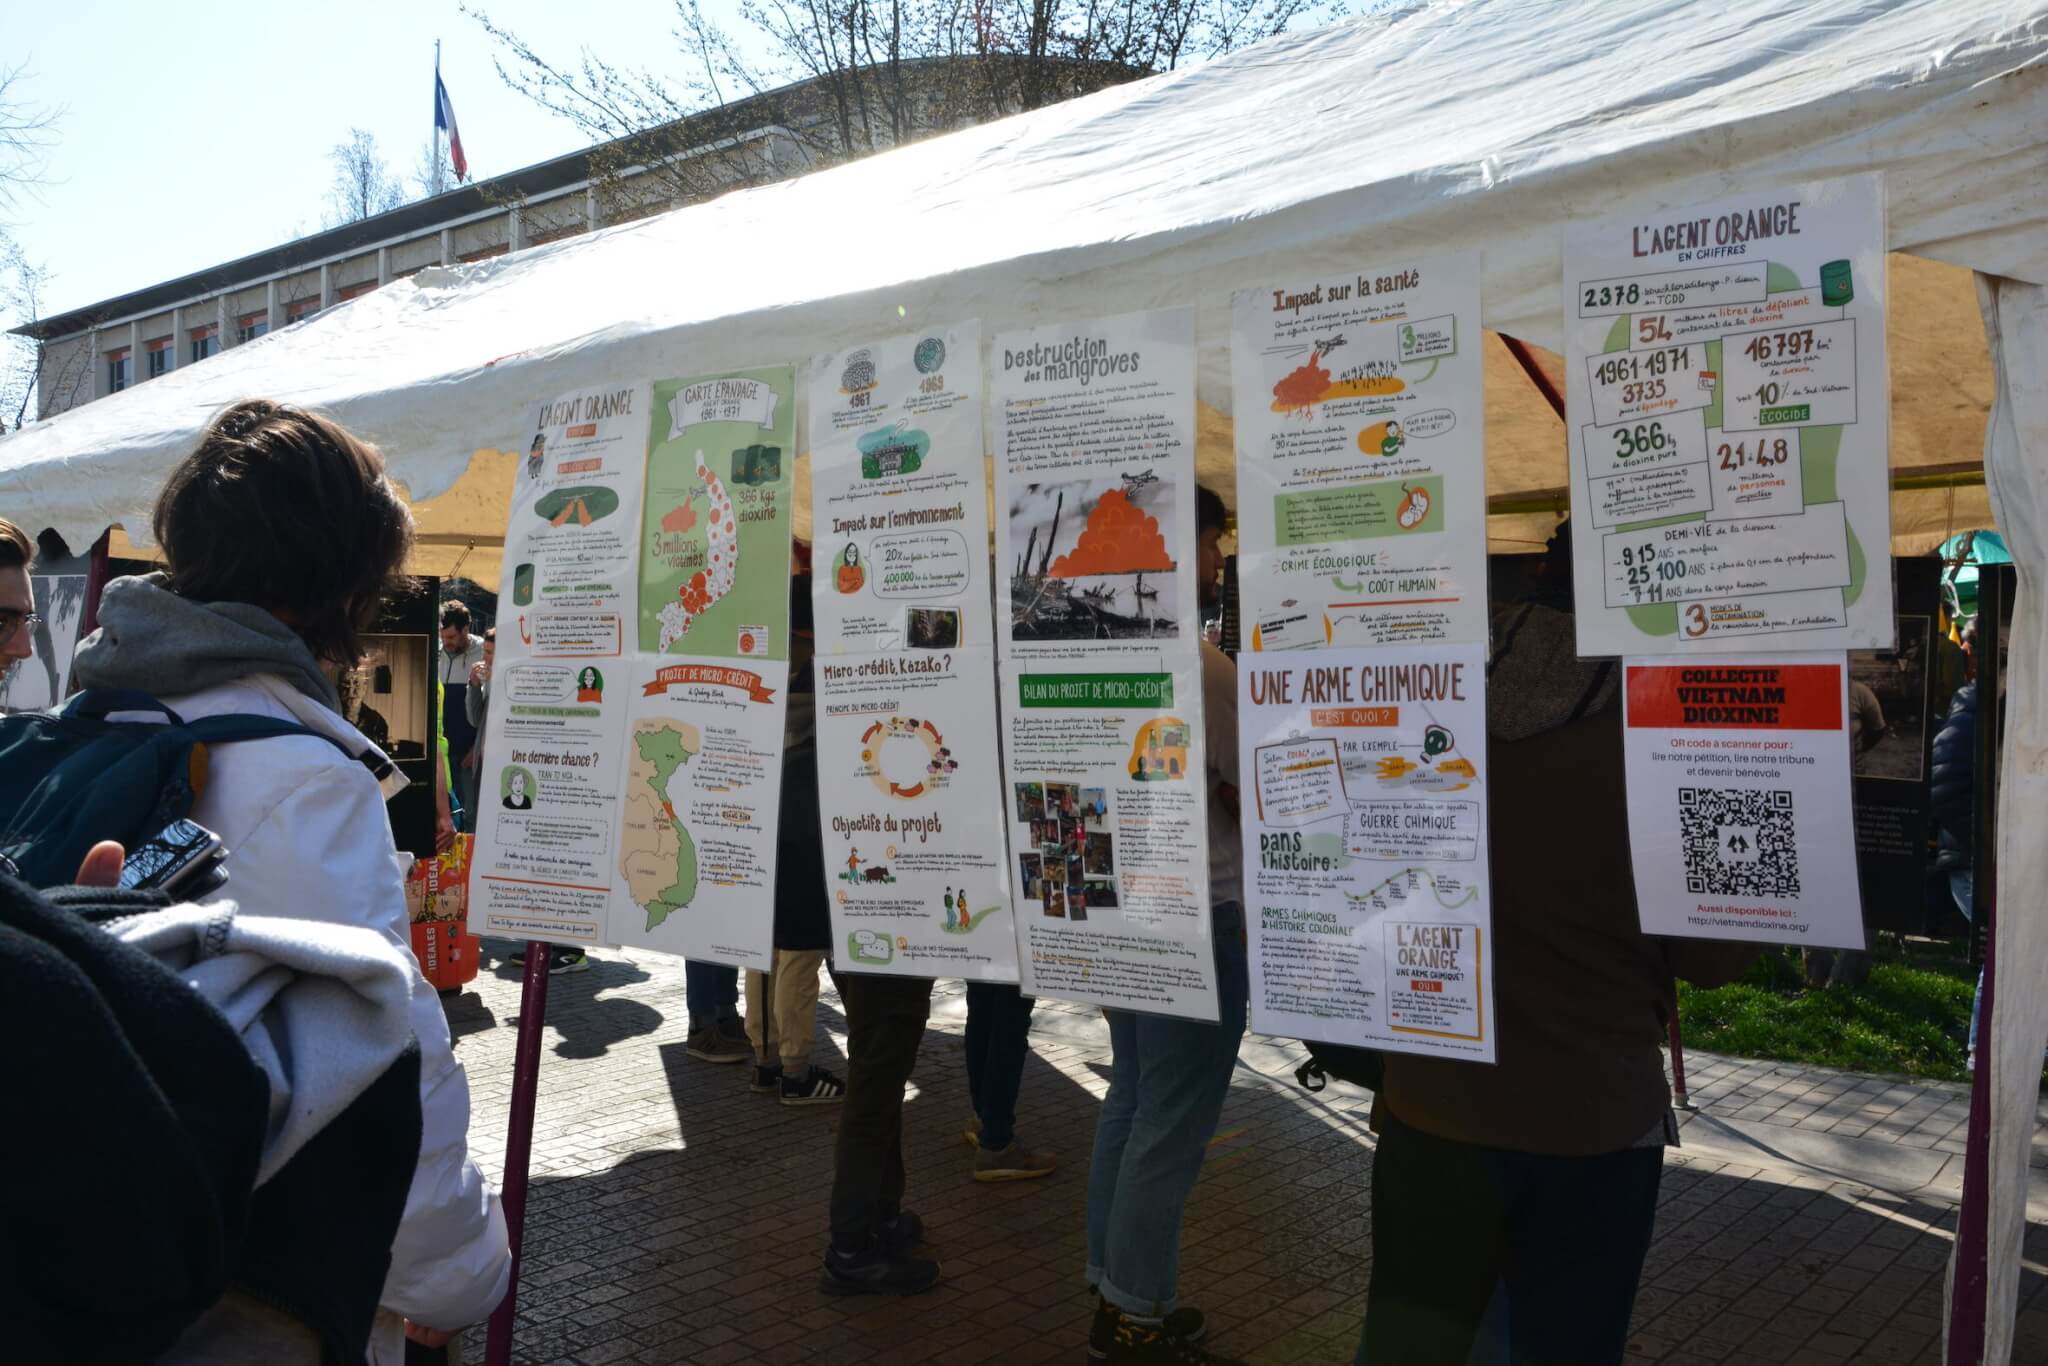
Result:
{"points": [[713, 1044], [766, 1079], [903, 1234], [1013, 1163], [815, 1087], [1147, 1344], [1188, 1325], [877, 1271]]}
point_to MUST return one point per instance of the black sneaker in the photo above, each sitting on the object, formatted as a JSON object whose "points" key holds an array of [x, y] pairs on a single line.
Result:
{"points": [[1146, 1344], [1189, 1325], [815, 1086], [766, 1079], [566, 960], [903, 1234], [877, 1271]]}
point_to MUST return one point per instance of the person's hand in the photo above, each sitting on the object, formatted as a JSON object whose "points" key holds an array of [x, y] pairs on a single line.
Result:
{"points": [[428, 1337], [478, 672], [102, 866], [444, 831]]}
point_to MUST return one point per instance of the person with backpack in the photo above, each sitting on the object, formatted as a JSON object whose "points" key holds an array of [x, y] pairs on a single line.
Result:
{"points": [[281, 535]]}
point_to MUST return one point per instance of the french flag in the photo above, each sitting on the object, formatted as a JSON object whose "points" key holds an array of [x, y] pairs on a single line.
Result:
{"points": [[444, 121]]}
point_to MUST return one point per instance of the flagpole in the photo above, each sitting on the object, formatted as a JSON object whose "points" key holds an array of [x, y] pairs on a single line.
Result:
{"points": [[437, 122]]}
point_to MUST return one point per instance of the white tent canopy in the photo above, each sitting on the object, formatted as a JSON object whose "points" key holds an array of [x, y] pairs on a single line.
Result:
{"points": [[1449, 125]]}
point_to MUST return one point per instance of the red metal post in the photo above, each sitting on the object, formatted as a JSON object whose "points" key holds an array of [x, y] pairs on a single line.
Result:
{"points": [[1679, 1099], [533, 1010]]}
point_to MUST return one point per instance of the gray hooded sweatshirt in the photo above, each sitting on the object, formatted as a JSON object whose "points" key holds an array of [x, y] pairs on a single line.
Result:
{"points": [[152, 640]]}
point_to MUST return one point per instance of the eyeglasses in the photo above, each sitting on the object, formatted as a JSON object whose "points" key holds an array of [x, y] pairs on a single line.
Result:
{"points": [[12, 620]]}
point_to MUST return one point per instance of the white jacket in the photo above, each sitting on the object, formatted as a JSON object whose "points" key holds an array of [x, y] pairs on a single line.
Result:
{"points": [[307, 836]]}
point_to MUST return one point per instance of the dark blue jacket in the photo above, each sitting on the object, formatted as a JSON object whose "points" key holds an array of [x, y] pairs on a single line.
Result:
{"points": [[1952, 785]]}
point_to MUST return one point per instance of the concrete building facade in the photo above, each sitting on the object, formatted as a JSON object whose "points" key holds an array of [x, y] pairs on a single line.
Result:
{"points": [[88, 353]]}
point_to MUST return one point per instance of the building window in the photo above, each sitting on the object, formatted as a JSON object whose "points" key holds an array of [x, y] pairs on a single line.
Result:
{"points": [[159, 356], [250, 326], [205, 341], [298, 310], [347, 292], [118, 371]]}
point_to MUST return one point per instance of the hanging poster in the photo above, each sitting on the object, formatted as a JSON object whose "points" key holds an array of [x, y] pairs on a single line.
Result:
{"points": [[909, 777], [43, 679], [714, 565], [1104, 773], [1727, 423], [1738, 798], [546, 810], [1360, 440], [698, 809], [899, 494], [636, 772], [1367, 895], [542, 867], [569, 557]]}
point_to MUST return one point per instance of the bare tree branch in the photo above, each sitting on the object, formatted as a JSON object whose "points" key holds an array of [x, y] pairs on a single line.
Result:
{"points": [[363, 184]]}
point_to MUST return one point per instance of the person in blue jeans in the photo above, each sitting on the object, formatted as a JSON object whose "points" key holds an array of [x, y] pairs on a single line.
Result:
{"points": [[998, 1038], [1168, 1080], [711, 991], [1952, 794]]}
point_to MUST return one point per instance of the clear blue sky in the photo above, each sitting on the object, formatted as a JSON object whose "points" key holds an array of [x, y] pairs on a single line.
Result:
{"points": [[196, 133]]}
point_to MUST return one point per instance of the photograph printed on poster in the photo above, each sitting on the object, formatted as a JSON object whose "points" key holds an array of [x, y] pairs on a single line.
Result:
{"points": [[1094, 561]]}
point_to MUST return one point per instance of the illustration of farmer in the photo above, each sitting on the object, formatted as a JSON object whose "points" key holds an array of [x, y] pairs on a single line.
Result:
{"points": [[589, 686], [853, 863], [949, 908], [1392, 442]]}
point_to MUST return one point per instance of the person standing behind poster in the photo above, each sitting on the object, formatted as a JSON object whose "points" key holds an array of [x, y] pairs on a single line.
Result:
{"points": [[1169, 1076], [1952, 792], [1537, 1178], [460, 653], [782, 1005]]}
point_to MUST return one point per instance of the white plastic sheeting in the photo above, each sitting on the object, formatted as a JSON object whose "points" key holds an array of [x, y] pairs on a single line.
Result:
{"points": [[2016, 466], [1448, 125]]}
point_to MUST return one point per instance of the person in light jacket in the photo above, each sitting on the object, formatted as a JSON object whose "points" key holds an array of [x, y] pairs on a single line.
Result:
{"points": [[281, 535]]}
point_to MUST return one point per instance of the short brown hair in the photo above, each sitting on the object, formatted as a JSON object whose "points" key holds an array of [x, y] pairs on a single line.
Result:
{"points": [[454, 613], [284, 510], [16, 550]]}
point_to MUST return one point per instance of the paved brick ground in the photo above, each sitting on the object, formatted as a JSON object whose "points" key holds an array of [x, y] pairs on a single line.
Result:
{"points": [[675, 1217]]}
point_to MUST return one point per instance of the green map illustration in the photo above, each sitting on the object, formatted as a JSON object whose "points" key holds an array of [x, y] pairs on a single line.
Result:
{"points": [[656, 854], [714, 545]]}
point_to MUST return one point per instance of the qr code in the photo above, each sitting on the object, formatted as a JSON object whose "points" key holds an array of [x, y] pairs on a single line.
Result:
{"points": [[1738, 842]]}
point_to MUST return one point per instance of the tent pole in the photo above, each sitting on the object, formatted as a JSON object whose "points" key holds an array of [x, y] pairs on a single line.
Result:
{"points": [[1526, 358], [533, 1010], [1971, 1281]]}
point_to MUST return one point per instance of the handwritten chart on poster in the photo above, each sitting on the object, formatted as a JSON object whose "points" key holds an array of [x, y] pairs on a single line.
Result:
{"points": [[1099, 624], [547, 837], [1367, 889], [910, 800], [1727, 422], [1360, 435], [1738, 798]]}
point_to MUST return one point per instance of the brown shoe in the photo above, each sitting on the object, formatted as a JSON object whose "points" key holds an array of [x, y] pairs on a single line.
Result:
{"points": [[1014, 1163]]}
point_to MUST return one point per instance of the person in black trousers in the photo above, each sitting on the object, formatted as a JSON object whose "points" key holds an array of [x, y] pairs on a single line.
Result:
{"points": [[873, 1236]]}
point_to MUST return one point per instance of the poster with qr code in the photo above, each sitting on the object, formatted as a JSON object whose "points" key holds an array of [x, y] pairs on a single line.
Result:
{"points": [[1740, 824]]}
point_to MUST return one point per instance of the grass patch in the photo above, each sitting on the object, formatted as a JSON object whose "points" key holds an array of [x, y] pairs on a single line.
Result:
{"points": [[1911, 1017]]}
